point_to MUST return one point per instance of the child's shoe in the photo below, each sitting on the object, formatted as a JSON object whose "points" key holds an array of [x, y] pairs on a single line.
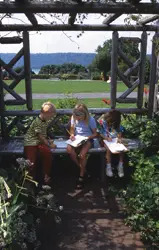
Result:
{"points": [[120, 170], [109, 170]]}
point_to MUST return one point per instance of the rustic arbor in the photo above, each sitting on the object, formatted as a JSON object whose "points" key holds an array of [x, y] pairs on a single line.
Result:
{"points": [[71, 8]]}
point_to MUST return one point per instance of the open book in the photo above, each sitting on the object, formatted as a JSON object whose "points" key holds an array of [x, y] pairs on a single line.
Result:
{"points": [[79, 140], [115, 147]]}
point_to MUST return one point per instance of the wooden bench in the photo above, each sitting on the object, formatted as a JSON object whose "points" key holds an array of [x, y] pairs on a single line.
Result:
{"points": [[15, 146]]}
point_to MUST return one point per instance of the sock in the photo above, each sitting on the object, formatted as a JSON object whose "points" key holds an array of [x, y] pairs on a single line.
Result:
{"points": [[120, 164], [108, 165]]}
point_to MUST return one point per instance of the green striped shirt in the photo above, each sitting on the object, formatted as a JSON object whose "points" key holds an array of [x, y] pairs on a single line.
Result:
{"points": [[38, 126]]}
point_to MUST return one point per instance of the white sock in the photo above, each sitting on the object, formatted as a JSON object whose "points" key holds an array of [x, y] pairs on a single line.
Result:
{"points": [[108, 165], [120, 165]]}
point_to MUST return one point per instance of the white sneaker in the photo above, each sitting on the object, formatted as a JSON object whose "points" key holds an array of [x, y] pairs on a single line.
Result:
{"points": [[120, 171], [109, 171]]}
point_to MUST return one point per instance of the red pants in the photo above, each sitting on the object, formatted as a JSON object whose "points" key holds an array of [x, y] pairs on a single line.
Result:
{"points": [[32, 153]]}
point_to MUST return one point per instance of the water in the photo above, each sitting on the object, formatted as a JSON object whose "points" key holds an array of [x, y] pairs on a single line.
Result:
{"points": [[36, 71]]}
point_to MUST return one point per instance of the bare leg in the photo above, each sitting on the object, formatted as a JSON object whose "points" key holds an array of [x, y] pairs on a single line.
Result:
{"points": [[108, 155], [83, 158], [121, 157], [71, 151]]}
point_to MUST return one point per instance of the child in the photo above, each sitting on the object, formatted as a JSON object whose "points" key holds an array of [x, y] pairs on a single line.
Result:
{"points": [[36, 142], [81, 124], [111, 128]]}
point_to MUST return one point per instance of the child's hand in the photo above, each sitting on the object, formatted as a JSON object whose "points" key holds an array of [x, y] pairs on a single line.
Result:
{"points": [[52, 145], [72, 137], [119, 140], [108, 138]]}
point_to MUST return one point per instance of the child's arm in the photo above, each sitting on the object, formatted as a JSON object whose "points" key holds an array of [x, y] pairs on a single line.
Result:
{"points": [[72, 133], [119, 137], [94, 134], [106, 137], [45, 141]]}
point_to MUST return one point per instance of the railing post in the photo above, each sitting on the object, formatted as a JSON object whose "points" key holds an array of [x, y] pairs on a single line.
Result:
{"points": [[114, 60], [27, 70], [2, 107], [153, 76]]}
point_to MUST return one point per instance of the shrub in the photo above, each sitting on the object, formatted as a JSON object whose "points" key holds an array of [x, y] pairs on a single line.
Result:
{"points": [[142, 195], [96, 76]]}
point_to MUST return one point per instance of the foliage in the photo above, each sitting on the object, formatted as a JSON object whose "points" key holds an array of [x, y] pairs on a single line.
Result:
{"points": [[66, 68], [20, 206], [141, 197], [102, 61], [96, 75], [59, 126], [41, 76], [14, 219], [68, 76], [131, 50], [143, 128]]}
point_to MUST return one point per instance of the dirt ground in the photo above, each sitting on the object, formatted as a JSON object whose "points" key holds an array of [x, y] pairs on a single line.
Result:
{"points": [[93, 218]]}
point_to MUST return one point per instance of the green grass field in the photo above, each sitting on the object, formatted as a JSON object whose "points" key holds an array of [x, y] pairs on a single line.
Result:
{"points": [[65, 87], [91, 103], [49, 86]]}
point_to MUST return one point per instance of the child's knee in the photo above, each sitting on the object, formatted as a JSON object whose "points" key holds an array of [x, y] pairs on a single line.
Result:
{"points": [[69, 150], [82, 156]]}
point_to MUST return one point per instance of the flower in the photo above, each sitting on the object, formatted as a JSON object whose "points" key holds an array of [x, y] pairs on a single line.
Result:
{"points": [[106, 101], [146, 91]]}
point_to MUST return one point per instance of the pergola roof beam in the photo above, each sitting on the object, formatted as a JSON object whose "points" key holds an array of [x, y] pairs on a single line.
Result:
{"points": [[74, 7], [31, 18], [111, 18], [77, 27], [149, 19], [72, 16]]}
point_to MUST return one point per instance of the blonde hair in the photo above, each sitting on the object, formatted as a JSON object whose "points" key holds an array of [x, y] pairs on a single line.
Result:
{"points": [[83, 109], [48, 107]]}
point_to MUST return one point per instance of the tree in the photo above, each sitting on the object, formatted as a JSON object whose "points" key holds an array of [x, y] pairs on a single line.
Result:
{"points": [[102, 61]]}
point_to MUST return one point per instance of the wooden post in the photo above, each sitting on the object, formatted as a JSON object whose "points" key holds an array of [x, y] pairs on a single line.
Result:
{"points": [[27, 70], [114, 60], [2, 107], [153, 76], [142, 69]]}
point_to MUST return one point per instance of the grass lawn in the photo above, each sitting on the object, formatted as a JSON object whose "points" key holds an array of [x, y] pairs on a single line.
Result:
{"points": [[91, 103], [49, 86]]}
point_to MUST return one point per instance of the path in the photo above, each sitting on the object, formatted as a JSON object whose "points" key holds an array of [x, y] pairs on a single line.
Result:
{"points": [[75, 95], [93, 219]]}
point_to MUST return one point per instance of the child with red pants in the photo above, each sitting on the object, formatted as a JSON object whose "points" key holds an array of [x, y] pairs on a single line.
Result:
{"points": [[36, 142]]}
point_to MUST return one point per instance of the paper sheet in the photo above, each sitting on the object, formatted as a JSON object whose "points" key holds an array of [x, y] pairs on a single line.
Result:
{"points": [[78, 140], [115, 147]]}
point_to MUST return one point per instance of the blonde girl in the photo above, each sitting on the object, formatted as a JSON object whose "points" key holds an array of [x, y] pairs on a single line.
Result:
{"points": [[81, 124]]}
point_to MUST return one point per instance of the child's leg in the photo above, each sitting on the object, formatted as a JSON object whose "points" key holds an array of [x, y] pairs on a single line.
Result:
{"points": [[46, 157], [108, 165], [31, 154], [71, 151], [120, 166], [83, 157]]}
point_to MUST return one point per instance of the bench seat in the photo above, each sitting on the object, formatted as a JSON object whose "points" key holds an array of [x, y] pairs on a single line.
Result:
{"points": [[16, 146]]}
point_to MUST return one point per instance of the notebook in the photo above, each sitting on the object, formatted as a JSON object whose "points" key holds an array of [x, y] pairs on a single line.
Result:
{"points": [[79, 140], [115, 147]]}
